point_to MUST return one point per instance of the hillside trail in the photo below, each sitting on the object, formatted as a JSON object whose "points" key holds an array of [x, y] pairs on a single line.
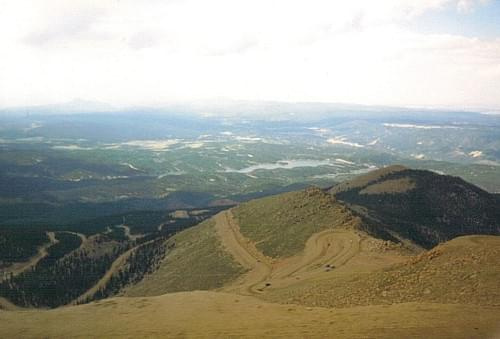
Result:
{"points": [[115, 266], [323, 251], [245, 253], [18, 268], [130, 236], [82, 236]]}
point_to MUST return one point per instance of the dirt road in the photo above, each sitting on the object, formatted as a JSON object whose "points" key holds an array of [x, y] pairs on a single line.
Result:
{"points": [[126, 230], [82, 236], [119, 262], [324, 251], [18, 268], [244, 252]]}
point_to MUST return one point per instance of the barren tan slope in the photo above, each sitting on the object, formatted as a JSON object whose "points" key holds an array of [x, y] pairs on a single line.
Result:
{"points": [[7, 305], [217, 315], [465, 270]]}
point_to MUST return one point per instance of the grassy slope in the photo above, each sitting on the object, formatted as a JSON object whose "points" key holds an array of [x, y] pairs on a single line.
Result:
{"points": [[465, 270], [363, 180], [389, 186], [197, 262], [280, 225]]}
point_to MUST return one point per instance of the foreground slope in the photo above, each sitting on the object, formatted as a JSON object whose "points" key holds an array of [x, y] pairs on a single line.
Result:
{"points": [[216, 315], [462, 276]]}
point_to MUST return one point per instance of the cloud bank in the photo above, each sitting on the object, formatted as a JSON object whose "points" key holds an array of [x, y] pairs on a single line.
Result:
{"points": [[150, 52]]}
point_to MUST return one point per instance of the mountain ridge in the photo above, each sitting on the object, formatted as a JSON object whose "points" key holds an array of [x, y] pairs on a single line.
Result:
{"points": [[418, 205]]}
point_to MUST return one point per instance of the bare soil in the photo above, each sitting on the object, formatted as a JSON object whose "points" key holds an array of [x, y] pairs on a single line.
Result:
{"points": [[221, 315]]}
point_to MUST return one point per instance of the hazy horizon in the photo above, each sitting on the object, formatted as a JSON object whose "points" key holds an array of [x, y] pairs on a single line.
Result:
{"points": [[78, 105]]}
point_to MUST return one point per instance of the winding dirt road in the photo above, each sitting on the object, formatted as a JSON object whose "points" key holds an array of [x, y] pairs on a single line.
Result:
{"points": [[244, 252], [82, 236], [18, 268], [115, 266], [126, 230], [323, 251]]}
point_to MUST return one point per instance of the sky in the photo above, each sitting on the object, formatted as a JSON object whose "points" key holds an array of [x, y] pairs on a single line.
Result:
{"points": [[425, 53]]}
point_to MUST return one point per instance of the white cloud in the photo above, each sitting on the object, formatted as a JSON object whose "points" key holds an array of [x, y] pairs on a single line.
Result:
{"points": [[131, 52]]}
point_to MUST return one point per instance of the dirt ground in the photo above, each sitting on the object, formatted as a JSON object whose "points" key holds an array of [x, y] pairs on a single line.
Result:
{"points": [[217, 315]]}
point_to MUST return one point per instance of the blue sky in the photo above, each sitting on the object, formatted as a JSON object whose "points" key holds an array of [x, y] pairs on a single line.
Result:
{"points": [[425, 53], [482, 21]]}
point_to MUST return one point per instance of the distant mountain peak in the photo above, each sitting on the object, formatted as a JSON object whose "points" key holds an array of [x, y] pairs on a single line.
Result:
{"points": [[421, 206]]}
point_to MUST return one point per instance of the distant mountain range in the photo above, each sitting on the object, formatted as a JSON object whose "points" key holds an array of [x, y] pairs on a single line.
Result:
{"points": [[261, 110]]}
